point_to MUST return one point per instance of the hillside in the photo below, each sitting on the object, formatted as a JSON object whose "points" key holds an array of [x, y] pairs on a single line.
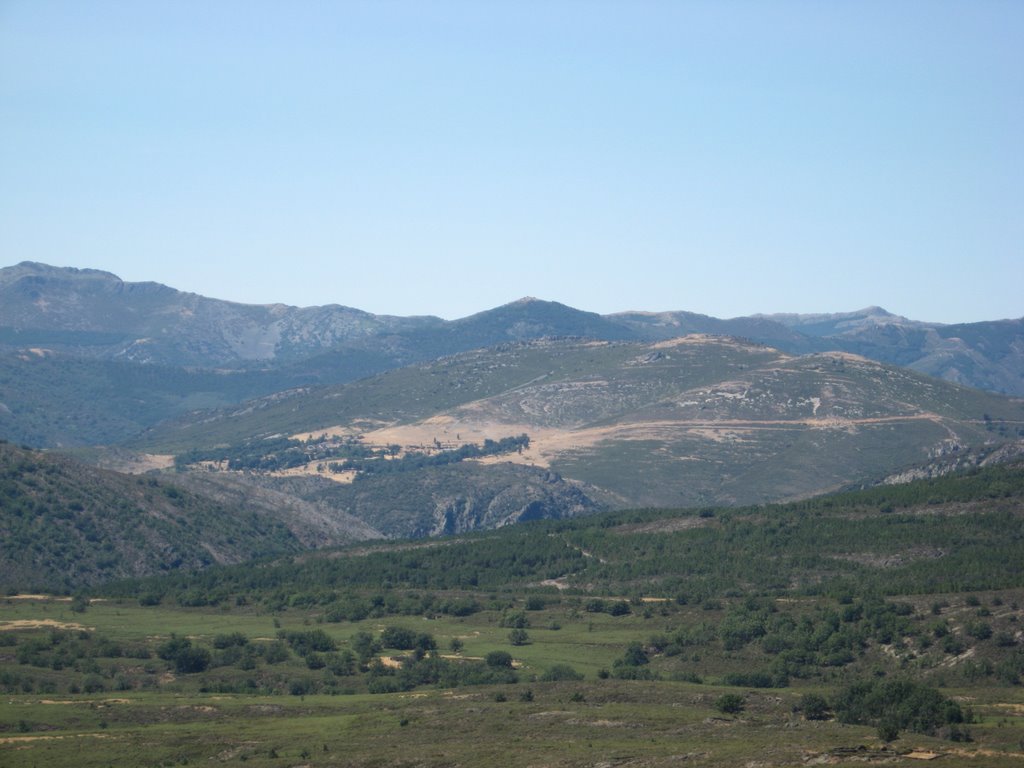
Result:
{"points": [[65, 526], [59, 400], [698, 420], [958, 533]]}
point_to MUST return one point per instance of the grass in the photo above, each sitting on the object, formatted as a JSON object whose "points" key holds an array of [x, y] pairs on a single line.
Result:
{"points": [[571, 723], [566, 724]]}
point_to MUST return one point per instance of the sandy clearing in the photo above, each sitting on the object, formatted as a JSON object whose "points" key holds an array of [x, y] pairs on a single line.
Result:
{"points": [[468, 424], [40, 623], [149, 461], [356, 428], [307, 470], [562, 582], [39, 597], [22, 739], [455, 430], [1015, 708], [137, 463], [698, 339], [90, 703]]}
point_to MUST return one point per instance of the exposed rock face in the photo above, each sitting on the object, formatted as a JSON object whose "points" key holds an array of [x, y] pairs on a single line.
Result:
{"points": [[957, 459], [446, 500], [96, 313]]}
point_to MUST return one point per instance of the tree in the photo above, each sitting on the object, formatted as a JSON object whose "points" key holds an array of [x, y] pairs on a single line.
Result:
{"points": [[896, 704], [518, 637]]}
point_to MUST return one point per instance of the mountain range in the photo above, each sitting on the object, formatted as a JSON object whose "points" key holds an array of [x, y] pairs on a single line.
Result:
{"points": [[335, 425], [96, 315]]}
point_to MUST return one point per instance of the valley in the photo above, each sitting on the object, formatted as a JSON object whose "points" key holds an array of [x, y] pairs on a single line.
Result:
{"points": [[716, 636]]}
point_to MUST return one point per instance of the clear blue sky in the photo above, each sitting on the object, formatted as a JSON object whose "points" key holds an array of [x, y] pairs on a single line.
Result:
{"points": [[723, 157]]}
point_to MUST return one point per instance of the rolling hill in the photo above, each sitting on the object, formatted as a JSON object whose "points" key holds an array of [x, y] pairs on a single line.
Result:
{"points": [[690, 421]]}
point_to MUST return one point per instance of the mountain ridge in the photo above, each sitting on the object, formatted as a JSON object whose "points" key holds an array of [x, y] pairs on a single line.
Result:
{"points": [[78, 346], [153, 323]]}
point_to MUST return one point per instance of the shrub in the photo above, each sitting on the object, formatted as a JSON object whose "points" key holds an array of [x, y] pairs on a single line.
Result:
{"points": [[634, 656], [230, 639], [900, 704], [561, 672], [814, 707], [498, 659], [756, 680], [515, 620], [730, 704], [192, 660], [304, 643]]}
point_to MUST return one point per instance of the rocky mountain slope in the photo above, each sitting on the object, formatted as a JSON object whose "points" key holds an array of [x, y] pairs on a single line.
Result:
{"points": [[690, 421]]}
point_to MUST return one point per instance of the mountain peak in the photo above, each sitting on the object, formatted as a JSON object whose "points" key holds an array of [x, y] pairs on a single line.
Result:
{"points": [[527, 301], [37, 269]]}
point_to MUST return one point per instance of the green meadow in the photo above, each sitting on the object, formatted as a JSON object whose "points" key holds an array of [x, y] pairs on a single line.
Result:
{"points": [[132, 708]]}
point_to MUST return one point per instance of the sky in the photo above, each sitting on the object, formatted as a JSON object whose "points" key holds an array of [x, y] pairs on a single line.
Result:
{"points": [[723, 157]]}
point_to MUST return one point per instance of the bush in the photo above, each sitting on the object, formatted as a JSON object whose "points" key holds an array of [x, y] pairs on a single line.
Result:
{"points": [[515, 620], [730, 704], [305, 643], [499, 659], [814, 707], [229, 640], [756, 680], [187, 659], [192, 660], [618, 608], [634, 656], [561, 672], [888, 730], [899, 704], [398, 637]]}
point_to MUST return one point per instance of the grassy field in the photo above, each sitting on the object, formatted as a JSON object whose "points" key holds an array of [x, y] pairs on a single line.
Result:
{"points": [[620, 723], [148, 715]]}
